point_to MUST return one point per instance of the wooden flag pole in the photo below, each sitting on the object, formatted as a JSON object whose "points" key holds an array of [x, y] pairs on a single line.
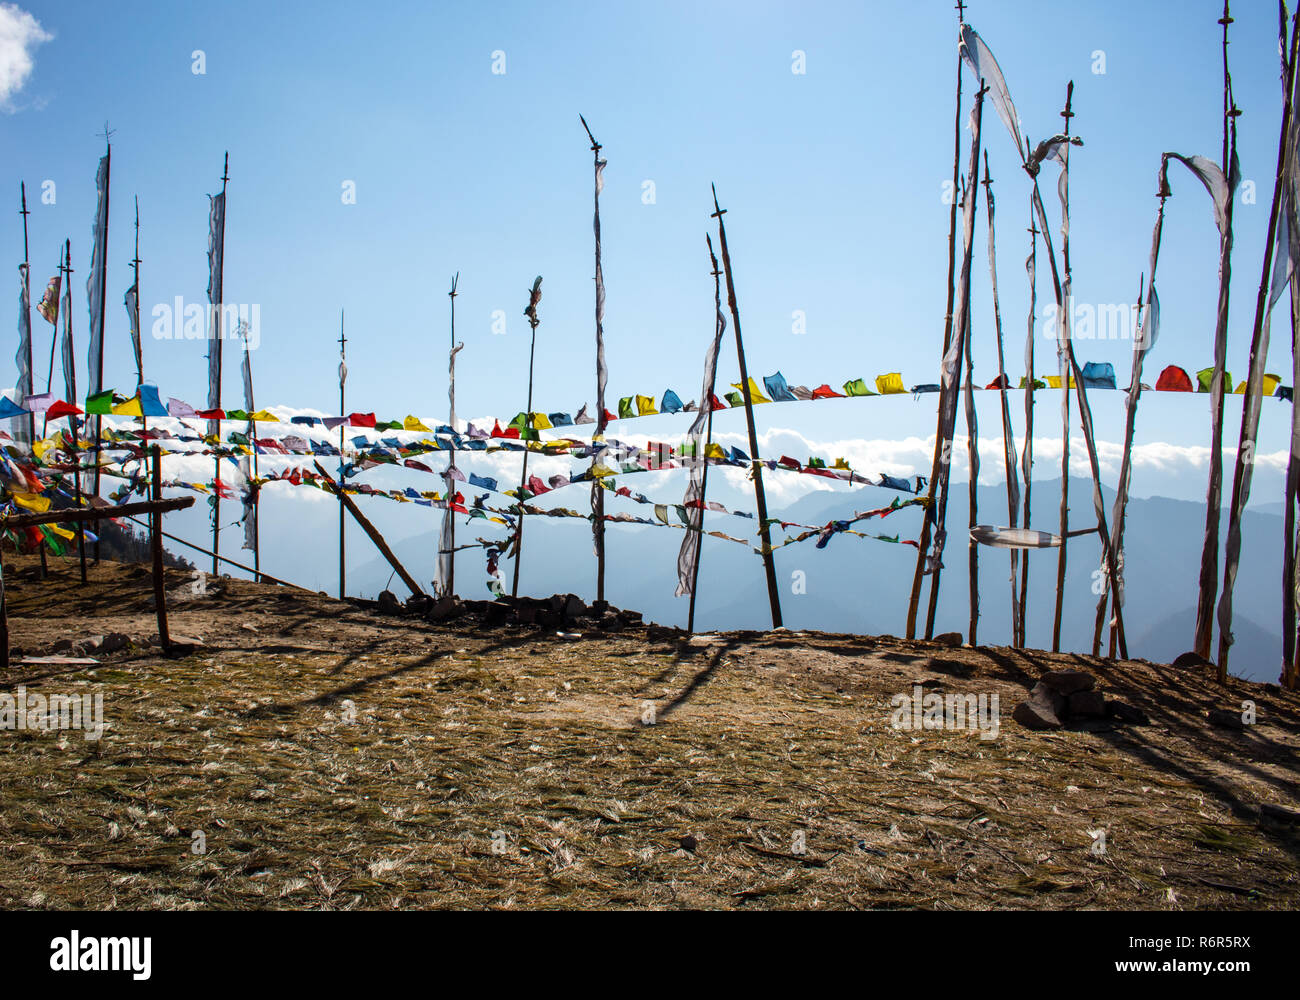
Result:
{"points": [[597, 486], [155, 544], [254, 489], [951, 374], [708, 439], [1066, 375], [451, 459], [769, 567], [1008, 434], [1209, 576], [31, 374], [927, 521], [370, 530], [1027, 456], [73, 446], [973, 461], [103, 303], [1291, 541], [343, 377], [216, 346], [1258, 357], [531, 312]]}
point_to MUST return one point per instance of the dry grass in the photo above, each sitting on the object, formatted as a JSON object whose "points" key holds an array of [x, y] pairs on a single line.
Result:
{"points": [[510, 768]]}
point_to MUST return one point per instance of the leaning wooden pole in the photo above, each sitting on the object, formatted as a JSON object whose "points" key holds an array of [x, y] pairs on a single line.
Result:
{"points": [[1008, 433], [706, 402], [343, 378], [602, 374], [1291, 539], [156, 548], [70, 388], [526, 432], [450, 482], [26, 386], [102, 243], [756, 464], [1063, 367], [370, 530], [216, 298], [1258, 357], [927, 521], [972, 482], [950, 384], [1027, 455], [1209, 575]]}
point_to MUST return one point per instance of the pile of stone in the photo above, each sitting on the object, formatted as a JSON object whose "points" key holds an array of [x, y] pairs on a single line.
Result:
{"points": [[1069, 698], [560, 611]]}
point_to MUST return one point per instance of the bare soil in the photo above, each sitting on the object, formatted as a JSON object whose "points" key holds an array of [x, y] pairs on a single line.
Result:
{"points": [[304, 752]]}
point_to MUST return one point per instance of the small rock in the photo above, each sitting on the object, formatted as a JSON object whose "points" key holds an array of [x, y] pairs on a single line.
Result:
{"points": [[1068, 682], [442, 609], [1087, 705], [1224, 719], [1190, 659], [950, 639], [1127, 713], [1042, 710], [388, 603], [689, 843]]}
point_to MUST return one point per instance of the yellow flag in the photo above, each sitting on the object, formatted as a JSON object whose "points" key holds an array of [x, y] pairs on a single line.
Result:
{"points": [[890, 383], [645, 405], [714, 450], [264, 416], [754, 395], [1270, 384], [62, 532], [32, 501], [541, 422], [413, 424], [131, 408]]}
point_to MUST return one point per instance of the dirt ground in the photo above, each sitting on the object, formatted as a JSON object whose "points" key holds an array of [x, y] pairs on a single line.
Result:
{"points": [[309, 753]]}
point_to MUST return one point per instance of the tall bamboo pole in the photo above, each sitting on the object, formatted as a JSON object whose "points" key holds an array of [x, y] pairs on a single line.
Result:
{"points": [[72, 417], [951, 381], [1209, 576], [1064, 369], [927, 521], [31, 374], [1258, 357], [1008, 433], [756, 464], [1027, 456], [343, 377], [973, 462], [103, 304], [597, 485], [216, 345], [451, 459], [531, 312], [706, 402], [1291, 540]]}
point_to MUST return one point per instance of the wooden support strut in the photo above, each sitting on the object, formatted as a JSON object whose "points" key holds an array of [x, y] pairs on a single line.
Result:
{"points": [[155, 544], [370, 530]]}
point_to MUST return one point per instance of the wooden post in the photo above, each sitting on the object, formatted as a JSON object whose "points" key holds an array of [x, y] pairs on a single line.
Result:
{"points": [[31, 374], [764, 531], [72, 417], [951, 380], [103, 309], [155, 542], [708, 439], [927, 520], [1008, 434], [1066, 375], [1027, 456], [1258, 357], [597, 487], [531, 312], [372, 531], [343, 377], [451, 461], [216, 345], [1209, 576]]}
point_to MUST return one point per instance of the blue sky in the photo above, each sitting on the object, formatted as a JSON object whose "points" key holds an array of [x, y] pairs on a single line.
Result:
{"points": [[833, 180]]}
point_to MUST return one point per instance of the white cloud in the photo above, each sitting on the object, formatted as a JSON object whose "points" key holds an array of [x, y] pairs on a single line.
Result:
{"points": [[20, 33]]}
